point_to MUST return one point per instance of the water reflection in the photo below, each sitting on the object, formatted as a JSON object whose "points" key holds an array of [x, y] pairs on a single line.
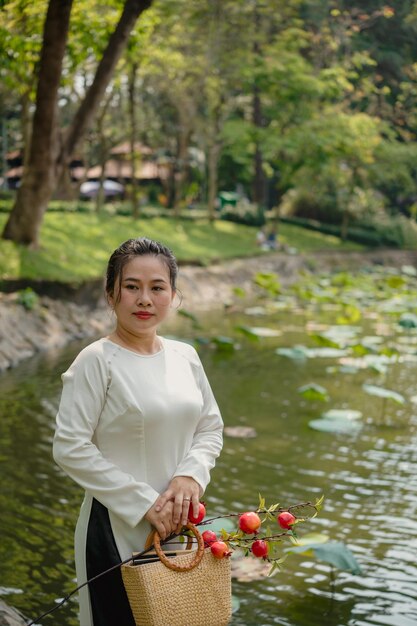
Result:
{"points": [[369, 480]]}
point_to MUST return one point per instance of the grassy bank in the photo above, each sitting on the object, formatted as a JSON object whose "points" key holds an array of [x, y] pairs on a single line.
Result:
{"points": [[76, 246]]}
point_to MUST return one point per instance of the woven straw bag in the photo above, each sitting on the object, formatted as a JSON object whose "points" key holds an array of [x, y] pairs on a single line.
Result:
{"points": [[190, 588]]}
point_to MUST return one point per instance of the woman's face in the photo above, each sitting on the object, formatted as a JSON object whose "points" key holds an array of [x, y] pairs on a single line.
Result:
{"points": [[143, 298]]}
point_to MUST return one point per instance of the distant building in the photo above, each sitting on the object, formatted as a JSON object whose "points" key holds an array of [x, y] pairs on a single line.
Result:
{"points": [[149, 169]]}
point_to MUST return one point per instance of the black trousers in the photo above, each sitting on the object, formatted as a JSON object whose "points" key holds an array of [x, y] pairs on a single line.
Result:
{"points": [[109, 602]]}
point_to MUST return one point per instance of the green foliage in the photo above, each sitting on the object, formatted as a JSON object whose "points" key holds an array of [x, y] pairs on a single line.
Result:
{"points": [[27, 298], [390, 232], [336, 91], [244, 213], [75, 246], [394, 174], [268, 281]]}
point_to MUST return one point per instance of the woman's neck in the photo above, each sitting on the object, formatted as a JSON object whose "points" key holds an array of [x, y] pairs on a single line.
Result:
{"points": [[147, 344]]}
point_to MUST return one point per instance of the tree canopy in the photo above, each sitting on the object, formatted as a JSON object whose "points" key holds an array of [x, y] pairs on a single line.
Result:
{"points": [[297, 104]]}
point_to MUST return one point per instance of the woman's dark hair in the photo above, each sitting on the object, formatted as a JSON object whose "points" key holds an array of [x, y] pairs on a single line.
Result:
{"points": [[138, 247]]}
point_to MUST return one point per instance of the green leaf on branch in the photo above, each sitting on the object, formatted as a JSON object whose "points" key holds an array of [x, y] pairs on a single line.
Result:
{"points": [[318, 505], [276, 566]]}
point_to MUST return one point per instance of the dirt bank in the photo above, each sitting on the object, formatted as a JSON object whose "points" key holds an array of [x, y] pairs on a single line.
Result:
{"points": [[211, 287], [77, 314]]}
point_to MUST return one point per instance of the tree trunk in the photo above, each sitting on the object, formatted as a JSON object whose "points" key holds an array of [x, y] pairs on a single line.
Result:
{"points": [[46, 161], [89, 106], [103, 153], [100, 197], [65, 189], [133, 135], [39, 176], [258, 186], [214, 151], [181, 163], [4, 151], [345, 225], [213, 178], [26, 126]]}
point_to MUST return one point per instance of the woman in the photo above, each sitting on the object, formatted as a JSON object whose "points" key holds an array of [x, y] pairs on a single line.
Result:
{"points": [[138, 428]]}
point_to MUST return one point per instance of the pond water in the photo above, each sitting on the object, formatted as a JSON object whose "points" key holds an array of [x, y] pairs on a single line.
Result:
{"points": [[368, 474]]}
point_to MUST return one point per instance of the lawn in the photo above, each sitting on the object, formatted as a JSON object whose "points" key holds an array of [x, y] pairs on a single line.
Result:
{"points": [[76, 246]]}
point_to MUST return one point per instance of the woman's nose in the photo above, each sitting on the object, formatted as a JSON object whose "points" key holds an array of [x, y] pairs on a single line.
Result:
{"points": [[143, 297]]}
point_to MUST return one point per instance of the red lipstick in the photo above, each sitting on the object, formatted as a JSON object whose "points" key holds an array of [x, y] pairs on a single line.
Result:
{"points": [[143, 315]]}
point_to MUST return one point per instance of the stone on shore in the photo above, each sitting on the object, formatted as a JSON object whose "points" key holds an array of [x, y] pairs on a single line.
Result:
{"points": [[10, 616]]}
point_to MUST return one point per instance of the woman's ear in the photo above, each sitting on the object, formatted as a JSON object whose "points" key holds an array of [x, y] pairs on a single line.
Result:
{"points": [[178, 295], [110, 300]]}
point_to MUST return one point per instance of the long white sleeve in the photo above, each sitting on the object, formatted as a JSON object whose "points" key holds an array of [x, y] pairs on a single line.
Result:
{"points": [[82, 402]]}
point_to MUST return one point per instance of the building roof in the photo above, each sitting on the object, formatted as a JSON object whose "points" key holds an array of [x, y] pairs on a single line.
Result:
{"points": [[15, 172], [115, 168], [124, 148]]}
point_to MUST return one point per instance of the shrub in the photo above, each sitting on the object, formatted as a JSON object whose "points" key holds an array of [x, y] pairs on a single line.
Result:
{"points": [[27, 298], [244, 213]]}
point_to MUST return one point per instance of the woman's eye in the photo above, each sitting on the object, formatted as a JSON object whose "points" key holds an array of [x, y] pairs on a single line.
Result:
{"points": [[131, 287]]}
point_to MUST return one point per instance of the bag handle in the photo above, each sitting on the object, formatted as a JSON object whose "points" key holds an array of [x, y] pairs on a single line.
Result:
{"points": [[149, 543], [170, 563]]}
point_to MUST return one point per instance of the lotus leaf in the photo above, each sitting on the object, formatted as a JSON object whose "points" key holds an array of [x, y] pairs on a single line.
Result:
{"points": [[408, 320], [314, 392], [384, 393], [297, 352], [334, 552], [341, 425], [336, 414]]}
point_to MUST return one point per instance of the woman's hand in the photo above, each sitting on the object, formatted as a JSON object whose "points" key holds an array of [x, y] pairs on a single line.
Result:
{"points": [[162, 518], [181, 492]]}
